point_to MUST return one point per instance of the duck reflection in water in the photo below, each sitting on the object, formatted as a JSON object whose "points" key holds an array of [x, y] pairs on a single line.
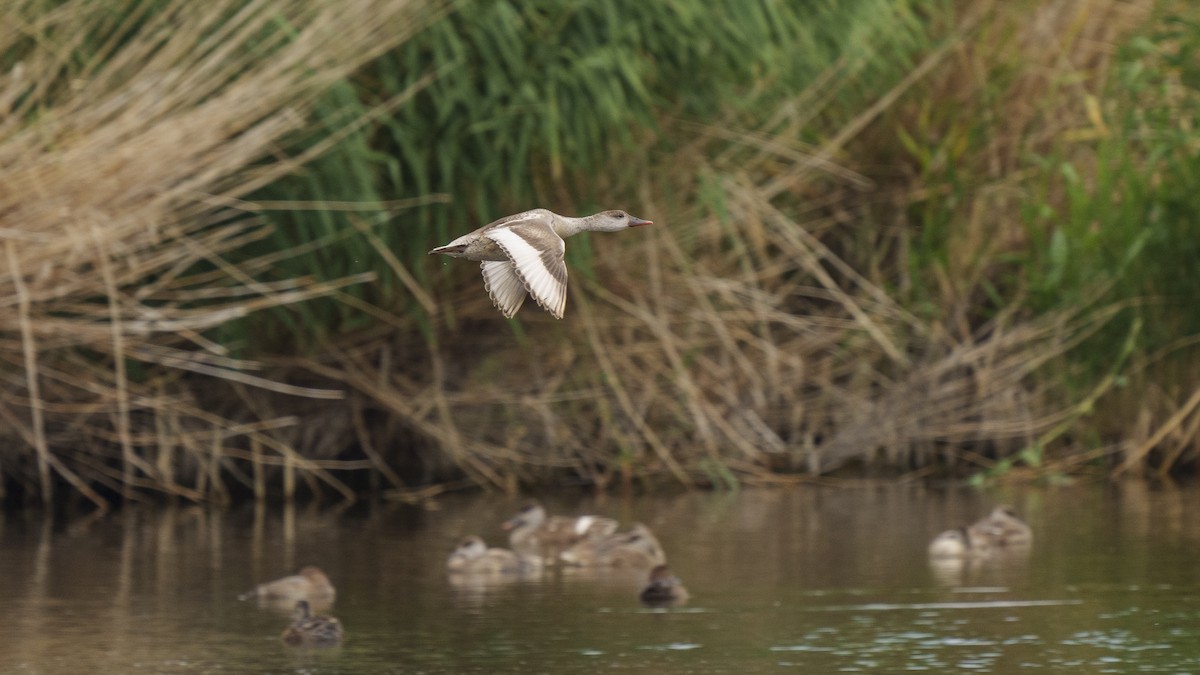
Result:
{"points": [[308, 630], [664, 590]]}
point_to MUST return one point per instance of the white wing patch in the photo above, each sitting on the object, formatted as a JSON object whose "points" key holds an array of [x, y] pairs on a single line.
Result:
{"points": [[537, 258], [503, 286]]}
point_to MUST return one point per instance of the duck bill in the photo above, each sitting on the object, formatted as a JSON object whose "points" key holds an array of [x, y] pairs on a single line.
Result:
{"points": [[638, 222]]}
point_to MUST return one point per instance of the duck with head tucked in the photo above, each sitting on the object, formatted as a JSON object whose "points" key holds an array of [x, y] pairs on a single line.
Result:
{"points": [[309, 630], [524, 253], [533, 534], [664, 589], [957, 543], [474, 557], [310, 584], [636, 549], [1002, 528]]}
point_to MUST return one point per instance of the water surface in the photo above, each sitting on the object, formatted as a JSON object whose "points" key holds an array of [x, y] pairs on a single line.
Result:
{"points": [[816, 579]]}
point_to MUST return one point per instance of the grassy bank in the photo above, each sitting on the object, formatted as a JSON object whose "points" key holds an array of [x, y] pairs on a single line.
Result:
{"points": [[893, 237]]}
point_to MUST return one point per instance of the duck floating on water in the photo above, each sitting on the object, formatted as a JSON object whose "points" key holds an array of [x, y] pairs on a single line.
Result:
{"points": [[474, 557], [957, 543], [310, 630], [310, 584], [664, 590], [1000, 530], [524, 253], [1002, 527], [636, 549], [532, 533]]}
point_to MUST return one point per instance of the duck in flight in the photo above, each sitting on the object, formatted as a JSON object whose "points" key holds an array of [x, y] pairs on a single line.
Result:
{"points": [[523, 253]]}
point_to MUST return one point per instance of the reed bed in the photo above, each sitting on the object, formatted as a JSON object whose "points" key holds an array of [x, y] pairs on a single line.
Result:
{"points": [[215, 219], [783, 322], [128, 142]]}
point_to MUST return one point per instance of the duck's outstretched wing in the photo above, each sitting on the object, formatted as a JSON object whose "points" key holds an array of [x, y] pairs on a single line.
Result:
{"points": [[536, 253], [504, 286]]}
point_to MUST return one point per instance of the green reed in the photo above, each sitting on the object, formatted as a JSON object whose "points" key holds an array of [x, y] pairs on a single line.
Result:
{"points": [[1073, 188], [553, 103]]}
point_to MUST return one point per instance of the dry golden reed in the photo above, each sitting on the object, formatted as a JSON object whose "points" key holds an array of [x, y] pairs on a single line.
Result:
{"points": [[127, 140]]}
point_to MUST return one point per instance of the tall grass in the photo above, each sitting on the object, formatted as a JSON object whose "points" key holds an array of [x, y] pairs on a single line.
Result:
{"points": [[128, 142], [1130, 217], [800, 311], [556, 103], [1079, 178]]}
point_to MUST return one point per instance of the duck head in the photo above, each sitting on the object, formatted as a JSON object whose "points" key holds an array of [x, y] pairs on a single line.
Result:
{"points": [[530, 515], [302, 611], [616, 220], [472, 547]]}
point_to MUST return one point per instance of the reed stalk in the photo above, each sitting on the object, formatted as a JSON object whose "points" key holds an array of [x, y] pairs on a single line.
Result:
{"points": [[31, 375]]}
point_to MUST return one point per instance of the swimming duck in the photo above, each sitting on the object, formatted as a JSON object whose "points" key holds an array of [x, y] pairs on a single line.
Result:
{"points": [[310, 584], [534, 534], [524, 253], [664, 590], [1002, 527], [474, 557], [313, 631], [957, 543], [637, 548]]}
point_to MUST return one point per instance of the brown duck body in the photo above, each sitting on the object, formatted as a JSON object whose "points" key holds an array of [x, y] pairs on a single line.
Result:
{"points": [[998, 531], [637, 548], [474, 557], [664, 589], [310, 584], [1001, 528], [533, 534], [308, 630]]}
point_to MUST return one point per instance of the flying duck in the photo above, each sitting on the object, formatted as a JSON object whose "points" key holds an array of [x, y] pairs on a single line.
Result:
{"points": [[524, 253]]}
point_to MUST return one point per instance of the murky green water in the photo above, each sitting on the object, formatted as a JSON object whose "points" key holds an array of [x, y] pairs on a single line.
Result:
{"points": [[824, 580]]}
